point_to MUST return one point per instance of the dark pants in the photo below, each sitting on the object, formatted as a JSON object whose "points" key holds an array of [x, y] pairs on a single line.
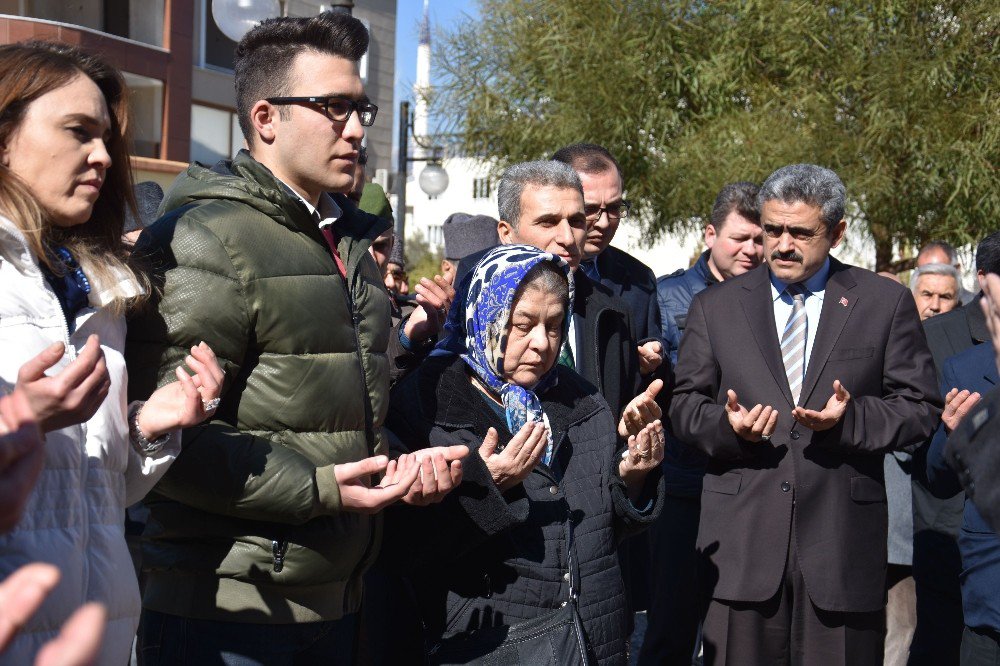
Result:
{"points": [[165, 640], [789, 630], [675, 604], [936, 568], [980, 648]]}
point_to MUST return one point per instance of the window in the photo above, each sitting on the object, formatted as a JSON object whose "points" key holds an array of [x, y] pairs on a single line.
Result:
{"points": [[146, 100], [215, 134], [435, 235], [217, 50], [481, 188], [141, 20]]}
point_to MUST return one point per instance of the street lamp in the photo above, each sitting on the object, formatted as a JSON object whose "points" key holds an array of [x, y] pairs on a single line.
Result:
{"points": [[433, 180]]}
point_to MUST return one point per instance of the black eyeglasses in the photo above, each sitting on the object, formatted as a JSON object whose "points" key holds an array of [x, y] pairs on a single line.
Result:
{"points": [[615, 211], [337, 109]]}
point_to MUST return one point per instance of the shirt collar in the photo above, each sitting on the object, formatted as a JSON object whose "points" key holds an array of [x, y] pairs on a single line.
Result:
{"points": [[325, 214], [814, 285]]}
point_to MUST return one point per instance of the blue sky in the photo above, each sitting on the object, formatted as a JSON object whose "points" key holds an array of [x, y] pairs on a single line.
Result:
{"points": [[444, 13]]}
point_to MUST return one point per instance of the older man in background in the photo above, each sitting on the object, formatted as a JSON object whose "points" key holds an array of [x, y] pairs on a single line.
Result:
{"points": [[935, 288]]}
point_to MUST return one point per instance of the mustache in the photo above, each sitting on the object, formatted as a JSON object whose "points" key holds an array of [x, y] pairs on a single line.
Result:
{"points": [[791, 255]]}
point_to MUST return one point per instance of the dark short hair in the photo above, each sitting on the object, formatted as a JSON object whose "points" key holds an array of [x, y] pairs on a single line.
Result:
{"points": [[363, 156], [265, 55], [588, 158], [988, 254], [741, 197], [944, 246]]}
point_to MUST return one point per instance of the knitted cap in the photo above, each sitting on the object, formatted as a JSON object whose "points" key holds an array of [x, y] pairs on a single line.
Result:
{"points": [[148, 196], [467, 234]]}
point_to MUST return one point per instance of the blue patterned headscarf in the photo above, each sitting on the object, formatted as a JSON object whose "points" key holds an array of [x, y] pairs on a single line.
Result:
{"points": [[487, 310]]}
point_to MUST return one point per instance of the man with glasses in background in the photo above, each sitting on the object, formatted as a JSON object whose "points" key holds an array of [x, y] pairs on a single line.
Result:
{"points": [[634, 283], [261, 531]]}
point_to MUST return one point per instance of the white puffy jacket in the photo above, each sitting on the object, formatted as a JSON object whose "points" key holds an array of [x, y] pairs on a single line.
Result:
{"points": [[76, 514]]}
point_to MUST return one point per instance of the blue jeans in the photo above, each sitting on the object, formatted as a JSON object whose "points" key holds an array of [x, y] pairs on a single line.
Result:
{"points": [[165, 640]]}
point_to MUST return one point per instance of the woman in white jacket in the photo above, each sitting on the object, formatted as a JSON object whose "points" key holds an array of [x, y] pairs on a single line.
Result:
{"points": [[65, 282]]}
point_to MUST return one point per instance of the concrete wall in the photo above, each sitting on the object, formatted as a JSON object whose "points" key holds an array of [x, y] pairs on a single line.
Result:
{"points": [[380, 17]]}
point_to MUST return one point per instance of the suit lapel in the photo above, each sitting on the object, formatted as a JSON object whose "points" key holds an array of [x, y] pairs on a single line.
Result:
{"points": [[758, 306], [838, 303]]}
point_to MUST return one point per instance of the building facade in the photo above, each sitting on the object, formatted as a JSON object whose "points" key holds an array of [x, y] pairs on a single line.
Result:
{"points": [[178, 66]]}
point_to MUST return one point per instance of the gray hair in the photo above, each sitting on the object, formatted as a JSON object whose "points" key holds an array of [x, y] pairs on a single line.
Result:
{"points": [[810, 184], [936, 269], [543, 173]]}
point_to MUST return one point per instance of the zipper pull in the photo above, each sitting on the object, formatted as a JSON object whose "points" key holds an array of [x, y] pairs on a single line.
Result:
{"points": [[278, 550]]}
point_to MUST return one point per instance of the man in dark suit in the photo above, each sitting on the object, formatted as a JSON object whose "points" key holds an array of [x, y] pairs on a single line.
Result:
{"points": [[937, 520], [795, 379], [634, 285], [628, 278]]}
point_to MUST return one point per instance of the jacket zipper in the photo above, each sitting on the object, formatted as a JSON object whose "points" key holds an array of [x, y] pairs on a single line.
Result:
{"points": [[278, 550], [369, 418], [85, 514]]}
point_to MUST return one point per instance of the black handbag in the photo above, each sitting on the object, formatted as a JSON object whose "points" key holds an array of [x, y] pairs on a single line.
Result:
{"points": [[555, 638]]}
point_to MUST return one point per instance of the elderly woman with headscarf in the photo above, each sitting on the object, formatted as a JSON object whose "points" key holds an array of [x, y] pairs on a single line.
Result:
{"points": [[528, 540]]}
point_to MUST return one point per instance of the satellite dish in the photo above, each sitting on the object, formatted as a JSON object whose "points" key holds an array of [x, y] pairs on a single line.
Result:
{"points": [[235, 18]]}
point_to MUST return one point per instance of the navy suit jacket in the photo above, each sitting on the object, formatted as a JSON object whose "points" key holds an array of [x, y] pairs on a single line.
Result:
{"points": [[974, 369]]}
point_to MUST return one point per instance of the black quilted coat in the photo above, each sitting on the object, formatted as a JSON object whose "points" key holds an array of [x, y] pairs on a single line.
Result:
{"points": [[482, 558]]}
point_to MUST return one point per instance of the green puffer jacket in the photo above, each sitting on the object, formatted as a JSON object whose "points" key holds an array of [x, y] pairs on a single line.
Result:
{"points": [[247, 524]]}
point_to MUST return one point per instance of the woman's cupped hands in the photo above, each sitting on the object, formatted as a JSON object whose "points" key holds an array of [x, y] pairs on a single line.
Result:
{"points": [[189, 400]]}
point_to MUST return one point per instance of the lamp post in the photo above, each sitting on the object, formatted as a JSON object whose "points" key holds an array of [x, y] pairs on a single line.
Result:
{"points": [[433, 179]]}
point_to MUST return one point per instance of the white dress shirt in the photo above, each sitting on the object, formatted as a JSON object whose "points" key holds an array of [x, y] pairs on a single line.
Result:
{"points": [[328, 211], [815, 291]]}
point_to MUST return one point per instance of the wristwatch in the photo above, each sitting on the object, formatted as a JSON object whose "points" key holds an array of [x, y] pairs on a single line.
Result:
{"points": [[143, 446]]}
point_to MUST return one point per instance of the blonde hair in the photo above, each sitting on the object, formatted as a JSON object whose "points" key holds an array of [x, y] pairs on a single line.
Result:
{"points": [[29, 70]]}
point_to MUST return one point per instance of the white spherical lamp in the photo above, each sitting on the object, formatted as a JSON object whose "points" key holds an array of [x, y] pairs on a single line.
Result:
{"points": [[433, 180], [235, 18]]}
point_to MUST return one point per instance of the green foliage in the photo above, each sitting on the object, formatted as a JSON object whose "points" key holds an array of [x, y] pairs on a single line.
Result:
{"points": [[421, 261], [900, 98]]}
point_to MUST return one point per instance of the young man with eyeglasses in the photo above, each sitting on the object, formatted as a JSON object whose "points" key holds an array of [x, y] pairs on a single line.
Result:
{"points": [[260, 533]]}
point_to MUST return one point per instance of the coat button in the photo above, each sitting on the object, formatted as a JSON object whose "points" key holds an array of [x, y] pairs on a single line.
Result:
{"points": [[785, 486], [794, 434], [554, 489], [566, 576]]}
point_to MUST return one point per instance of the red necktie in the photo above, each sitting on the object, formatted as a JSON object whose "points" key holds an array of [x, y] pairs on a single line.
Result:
{"points": [[331, 240]]}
